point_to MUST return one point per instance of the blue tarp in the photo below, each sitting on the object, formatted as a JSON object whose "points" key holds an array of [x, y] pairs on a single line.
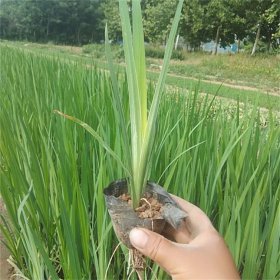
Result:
{"points": [[209, 47]]}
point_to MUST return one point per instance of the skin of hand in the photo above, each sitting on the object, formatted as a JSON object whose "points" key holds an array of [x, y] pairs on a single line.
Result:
{"points": [[196, 251]]}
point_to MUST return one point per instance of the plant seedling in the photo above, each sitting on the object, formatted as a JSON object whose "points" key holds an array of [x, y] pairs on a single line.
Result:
{"points": [[142, 123], [137, 151]]}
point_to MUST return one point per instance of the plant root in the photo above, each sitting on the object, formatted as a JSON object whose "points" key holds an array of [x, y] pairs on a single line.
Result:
{"points": [[138, 263]]}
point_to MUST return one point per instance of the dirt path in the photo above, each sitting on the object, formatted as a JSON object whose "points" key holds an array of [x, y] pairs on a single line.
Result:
{"points": [[156, 65], [275, 92], [5, 267], [231, 84]]}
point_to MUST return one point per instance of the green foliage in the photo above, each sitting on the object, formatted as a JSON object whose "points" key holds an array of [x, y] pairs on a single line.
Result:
{"points": [[193, 22], [142, 119], [157, 20], [152, 51], [218, 15], [112, 18], [83, 21], [97, 51], [61, 21], [236, 75], [155, 51], [52, 172]]}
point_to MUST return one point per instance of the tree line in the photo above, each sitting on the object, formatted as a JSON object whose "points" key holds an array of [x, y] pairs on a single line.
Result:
{"points": [[80, 22]]}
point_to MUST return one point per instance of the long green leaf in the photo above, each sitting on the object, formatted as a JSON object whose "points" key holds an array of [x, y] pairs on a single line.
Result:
{"points": [[151, 126], [97, 137], [118, 107], [139, 57], [135, 182]]}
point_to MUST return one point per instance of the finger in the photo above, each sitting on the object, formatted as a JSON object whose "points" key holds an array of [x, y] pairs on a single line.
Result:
{"points": [[156, 247], [189, 207], [182, 235], [197, 220]]}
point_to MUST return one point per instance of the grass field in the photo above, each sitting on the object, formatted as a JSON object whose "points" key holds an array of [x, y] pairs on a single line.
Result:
{"points": [[53, 172], [238, 77]]}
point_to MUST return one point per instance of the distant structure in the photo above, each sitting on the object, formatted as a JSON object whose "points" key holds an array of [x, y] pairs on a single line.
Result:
{"points": [[208, 47]]}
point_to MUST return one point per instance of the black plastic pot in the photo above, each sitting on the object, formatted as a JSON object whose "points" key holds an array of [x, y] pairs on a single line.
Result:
{"points": [[124, 218]]}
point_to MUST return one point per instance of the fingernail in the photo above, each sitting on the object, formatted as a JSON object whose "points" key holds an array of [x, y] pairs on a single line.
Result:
{"points": [[138, 238]]}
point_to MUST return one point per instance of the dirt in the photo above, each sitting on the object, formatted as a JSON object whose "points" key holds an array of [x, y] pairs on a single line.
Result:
{"points": [[5, 267], [227, 83], [156, 67], [149, 207]]}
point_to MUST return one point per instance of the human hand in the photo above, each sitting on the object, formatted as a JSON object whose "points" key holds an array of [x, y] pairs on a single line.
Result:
{"points": [[199, 252]]}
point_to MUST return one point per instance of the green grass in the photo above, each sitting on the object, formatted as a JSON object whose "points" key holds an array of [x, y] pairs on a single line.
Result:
{"points": [[260, 72], [53, 172], [245, 96]]}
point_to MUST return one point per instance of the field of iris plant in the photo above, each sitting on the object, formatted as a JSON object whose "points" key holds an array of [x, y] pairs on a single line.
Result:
{"points": [[53, 172]]}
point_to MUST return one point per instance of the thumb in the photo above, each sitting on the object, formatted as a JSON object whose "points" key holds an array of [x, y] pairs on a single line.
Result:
{"points": [[156, 247]]}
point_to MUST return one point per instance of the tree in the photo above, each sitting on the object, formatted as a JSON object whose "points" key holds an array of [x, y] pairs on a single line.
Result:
{"points": [[83, 21], [75, 21], [157, 19], [192, 23], [8, 21], [272, 24], [238, 23], [110, 9], [263, 22], [219, 17], [86, 19]]}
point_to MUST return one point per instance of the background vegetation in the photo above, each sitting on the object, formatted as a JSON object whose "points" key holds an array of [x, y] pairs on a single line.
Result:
{"points": [[239, 77], [53, 173], [82, 21]]}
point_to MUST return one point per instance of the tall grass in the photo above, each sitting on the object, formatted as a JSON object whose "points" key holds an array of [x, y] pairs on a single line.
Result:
{"points": [[53, 172]]}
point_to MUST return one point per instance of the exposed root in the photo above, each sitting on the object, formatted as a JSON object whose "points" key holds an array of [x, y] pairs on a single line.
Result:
{"points": [[144, 199], [150, 207], [140, 274], [138, 263]]}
